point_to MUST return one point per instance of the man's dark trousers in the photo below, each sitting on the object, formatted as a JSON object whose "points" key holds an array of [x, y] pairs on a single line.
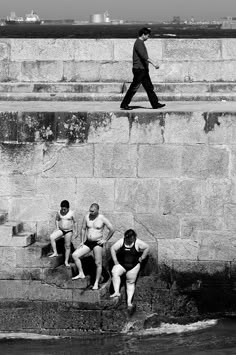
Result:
{"points": [[141, 76]]}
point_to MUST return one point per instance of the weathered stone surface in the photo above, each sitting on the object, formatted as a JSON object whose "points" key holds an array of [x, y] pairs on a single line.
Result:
{"points": [[40, 291], [70, 161], [228, 48], [116, 71], [169, 249], [217, 245], [121, 222], [81, 71], [17, 185], [122, 49], [42, 71], [212, 71], [216, 194], [4, 70], [221, 127], [8, 121], [28, 209], [205, 162], [147, 128], [4, 50], [191, 225], [20, 316], [7, 258], [197, 49], [171, 72], [93, 49], [180, 196], [100, 191], [72, 127], [152, 227], [230, 216], [117, 160], [184, 128], [140, 196], [108, 128], [56, 190], [159, 161]]}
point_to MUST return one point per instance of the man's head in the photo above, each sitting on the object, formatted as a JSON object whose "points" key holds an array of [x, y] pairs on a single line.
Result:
{"points": [[144, 33], [65, 206], [94, 209], [130, 237]]}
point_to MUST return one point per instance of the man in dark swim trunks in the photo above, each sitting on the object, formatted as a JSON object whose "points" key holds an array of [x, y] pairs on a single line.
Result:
{"points": [[92, 238], [127, 254]]}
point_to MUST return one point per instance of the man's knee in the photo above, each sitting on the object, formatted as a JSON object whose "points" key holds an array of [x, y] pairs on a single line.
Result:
{"points": [[67, 246], [75, 256], [98, 263]]}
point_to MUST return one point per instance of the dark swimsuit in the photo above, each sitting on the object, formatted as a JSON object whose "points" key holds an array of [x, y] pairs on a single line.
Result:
{"points": [[65, 232], [128, 257], [92, 244]]}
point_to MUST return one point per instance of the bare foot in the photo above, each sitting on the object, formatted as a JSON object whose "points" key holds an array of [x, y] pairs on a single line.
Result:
{"points": [[67, 264], [53, 255], [95, 287], [79, 276], [115, 295]]}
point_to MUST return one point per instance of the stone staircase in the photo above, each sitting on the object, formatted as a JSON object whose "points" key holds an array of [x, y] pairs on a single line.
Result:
{"points": [[114, 91]]}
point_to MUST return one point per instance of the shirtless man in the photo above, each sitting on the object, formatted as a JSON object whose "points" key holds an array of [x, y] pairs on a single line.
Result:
{"points": [[92, 239], [65, 227]]}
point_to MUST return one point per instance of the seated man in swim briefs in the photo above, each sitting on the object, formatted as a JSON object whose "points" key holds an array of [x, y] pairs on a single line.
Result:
{"points": [[92, 239], [127, 254], [65, 227]]}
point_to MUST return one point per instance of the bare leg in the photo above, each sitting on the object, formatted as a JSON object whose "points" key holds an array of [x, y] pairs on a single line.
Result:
{"points": [[53, 237], [131, 277], [117, 271], [98, 261], [68, 237], [78, 253]]}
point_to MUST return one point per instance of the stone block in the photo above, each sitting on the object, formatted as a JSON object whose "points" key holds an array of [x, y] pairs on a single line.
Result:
{"points": [[140, 196], [13, 185], [230, 216], [4, 51], [172, 249], [191, 225], [233, 162], [228, 48], [70, 162], [115, 160], [100, 191], [220, 245], [196, 49], [122, 49], [201, 267], [8, 122], [14, 289], [180, 196], [216, 193], [171, 72], [85, 296], [7, 258], [20, 159], [57, 189], [159, 161], [220, 127], [212, 71], [13, 273], [29, 209], [81, 71], [19, 316], [205, 162], [121, 222], [30, 49], [44, 71], [4, 66], [14, 71], [40, 291], [184, 128], [147, 127], [72, 127], [151, 227], [93, 49], [116, 71], [108, 128]]}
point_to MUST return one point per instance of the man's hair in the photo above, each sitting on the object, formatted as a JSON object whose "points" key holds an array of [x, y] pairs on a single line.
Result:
{"points": [[144, 31], [65, 203], [130, 235], [95, 205]]}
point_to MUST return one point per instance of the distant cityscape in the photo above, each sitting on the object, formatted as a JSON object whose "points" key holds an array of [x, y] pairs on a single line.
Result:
{"points": [[105, 18]]}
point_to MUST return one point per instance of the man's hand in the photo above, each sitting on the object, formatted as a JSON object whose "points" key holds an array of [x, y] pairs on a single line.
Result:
{"points": [[101, 242], [156, 66]]}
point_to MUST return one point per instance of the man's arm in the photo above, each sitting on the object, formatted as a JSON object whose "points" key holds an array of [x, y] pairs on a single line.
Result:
{"points": [[115, 247], [110, 228], [156, 66], [57, 219], [83, 230]]}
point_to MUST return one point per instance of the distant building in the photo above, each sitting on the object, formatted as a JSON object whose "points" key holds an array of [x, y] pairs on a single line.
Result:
{"points": [[229, 23]]}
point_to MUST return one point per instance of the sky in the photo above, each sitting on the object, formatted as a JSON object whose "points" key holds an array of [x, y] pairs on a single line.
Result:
{"points": [[144, 10]]}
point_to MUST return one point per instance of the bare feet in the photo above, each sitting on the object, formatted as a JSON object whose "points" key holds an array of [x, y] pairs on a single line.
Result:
{"points": [[67, 264], [79, 276], [115, 295], [53, 255], [95, 287]]}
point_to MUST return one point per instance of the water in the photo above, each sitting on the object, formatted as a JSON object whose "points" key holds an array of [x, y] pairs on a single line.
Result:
{"points": [[201, 338]]}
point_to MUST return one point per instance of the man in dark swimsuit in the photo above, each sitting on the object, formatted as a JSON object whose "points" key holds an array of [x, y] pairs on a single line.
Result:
{"points": [[127, 254]]}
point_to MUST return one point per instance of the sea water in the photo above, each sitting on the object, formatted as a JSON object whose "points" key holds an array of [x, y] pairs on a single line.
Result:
{"points": [[203, 337]]}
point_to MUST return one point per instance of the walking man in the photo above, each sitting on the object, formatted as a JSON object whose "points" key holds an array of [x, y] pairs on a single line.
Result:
{"points": [[92, 238], [141, 72]]}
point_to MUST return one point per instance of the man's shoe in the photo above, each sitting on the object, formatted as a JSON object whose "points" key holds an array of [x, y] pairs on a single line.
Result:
{"points": [[159, 106], [125, 107]]}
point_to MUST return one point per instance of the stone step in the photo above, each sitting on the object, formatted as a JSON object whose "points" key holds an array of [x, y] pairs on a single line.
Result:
{"points": [[9, 229], [22, 239], [107, 97], [116, 87]]}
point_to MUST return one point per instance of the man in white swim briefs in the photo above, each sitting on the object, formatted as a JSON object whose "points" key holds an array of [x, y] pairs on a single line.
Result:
{"points": [[92, 239]]}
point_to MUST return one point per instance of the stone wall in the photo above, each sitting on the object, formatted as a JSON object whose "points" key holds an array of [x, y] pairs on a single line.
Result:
{"points": [[171, 176], [76, 60]]}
